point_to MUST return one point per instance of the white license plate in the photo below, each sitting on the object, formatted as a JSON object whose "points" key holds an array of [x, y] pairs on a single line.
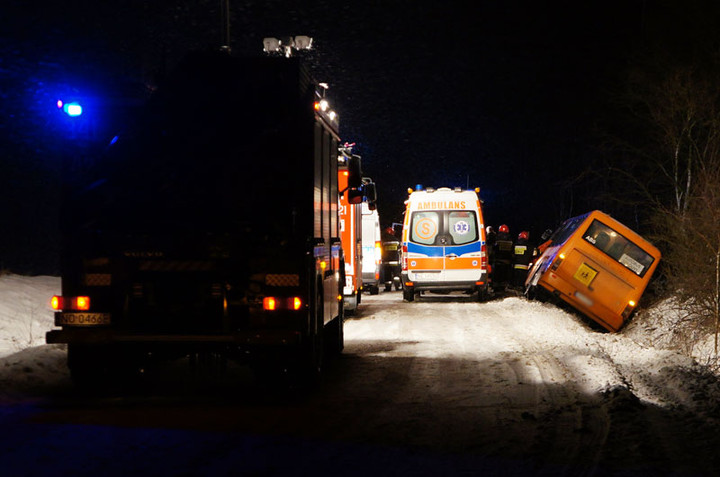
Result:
{"points": [[583, 299], [429, 276], [83, 319]]}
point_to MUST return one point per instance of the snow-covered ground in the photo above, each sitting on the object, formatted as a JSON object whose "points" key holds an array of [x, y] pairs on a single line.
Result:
{"points": [[512, 384]]}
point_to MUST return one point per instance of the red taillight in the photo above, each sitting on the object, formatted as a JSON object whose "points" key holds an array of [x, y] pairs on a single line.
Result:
{"points": [[271, 303], [404, 257], [77, 303], [483, 256], [82, 303], [378, 253]]}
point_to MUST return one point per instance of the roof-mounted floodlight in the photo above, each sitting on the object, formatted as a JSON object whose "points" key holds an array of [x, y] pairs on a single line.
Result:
{"points": [[303, 42], [286, 44], [271, 45]]}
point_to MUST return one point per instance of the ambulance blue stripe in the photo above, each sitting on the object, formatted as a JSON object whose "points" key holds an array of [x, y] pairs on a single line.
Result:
{"points": [[437, 250]]}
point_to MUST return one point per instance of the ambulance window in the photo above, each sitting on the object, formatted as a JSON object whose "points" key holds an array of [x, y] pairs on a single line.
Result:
{"points": [[462, 227], [424, 228]]}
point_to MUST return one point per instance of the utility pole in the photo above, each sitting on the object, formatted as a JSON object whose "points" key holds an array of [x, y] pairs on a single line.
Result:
{"points": [[225, 24]]}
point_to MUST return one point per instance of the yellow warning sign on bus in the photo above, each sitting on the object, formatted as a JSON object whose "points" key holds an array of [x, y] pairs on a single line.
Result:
{"points": [[585, 274]]}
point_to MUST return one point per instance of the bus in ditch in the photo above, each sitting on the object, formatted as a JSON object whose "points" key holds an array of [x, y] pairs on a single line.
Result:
{"points": [[597, 265]]}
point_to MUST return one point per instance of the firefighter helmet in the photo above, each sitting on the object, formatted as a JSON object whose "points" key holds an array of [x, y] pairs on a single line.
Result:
{"points": [[504, 229], [524, 235]]}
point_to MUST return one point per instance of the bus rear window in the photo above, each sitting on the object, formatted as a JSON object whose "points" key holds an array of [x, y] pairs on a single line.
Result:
{"points": [[618, 248]]}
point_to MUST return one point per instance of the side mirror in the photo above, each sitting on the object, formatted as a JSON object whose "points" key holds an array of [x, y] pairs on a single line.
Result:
{"points": [[371, 194], [354, 172]]}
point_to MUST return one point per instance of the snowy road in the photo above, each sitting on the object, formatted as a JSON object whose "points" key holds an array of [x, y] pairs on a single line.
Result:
{"points": [[443, 386], [526, 382]]}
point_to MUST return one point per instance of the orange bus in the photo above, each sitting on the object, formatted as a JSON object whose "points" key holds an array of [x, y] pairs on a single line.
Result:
{"points": [[597, 265]]}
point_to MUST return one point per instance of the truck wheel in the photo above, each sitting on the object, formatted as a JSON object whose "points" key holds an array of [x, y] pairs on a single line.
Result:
{"points": [[102, 368], [408, 294], [312, 352], [375, 289], [87, 366], [335, 336]]}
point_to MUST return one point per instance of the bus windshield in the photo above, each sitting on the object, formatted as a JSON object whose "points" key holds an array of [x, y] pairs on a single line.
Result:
{"points": [[618, 248]]}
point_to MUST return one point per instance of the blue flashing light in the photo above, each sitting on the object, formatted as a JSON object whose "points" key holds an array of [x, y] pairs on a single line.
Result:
{"points": [[418, 187], [113, 140], [72, 109]]}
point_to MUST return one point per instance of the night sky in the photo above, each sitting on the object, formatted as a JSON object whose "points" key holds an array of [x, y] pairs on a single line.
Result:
{"points": [[515, 97]]}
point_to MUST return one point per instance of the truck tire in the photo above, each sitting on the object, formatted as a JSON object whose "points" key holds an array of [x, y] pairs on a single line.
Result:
{"points": [[374, 289], [87, 365], [312, 352], [335, 336], [98, 369]]}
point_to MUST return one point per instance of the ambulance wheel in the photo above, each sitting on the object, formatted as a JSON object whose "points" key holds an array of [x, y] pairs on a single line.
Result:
{"points": [[482, 294], [408, 294]]}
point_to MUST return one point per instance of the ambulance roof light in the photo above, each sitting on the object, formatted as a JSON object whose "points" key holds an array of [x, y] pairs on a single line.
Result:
{"points": [[458, 189], [418, 187]]}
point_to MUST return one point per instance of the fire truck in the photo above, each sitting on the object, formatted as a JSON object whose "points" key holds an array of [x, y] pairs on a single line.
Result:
{"points": [[211, 229], [350, 233]]}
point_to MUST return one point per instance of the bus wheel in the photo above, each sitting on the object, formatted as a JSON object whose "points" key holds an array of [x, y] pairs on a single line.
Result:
{"points": [[531, 292]]}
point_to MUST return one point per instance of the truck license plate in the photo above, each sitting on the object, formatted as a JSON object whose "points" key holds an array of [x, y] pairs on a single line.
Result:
{"points": [[83, 319]]}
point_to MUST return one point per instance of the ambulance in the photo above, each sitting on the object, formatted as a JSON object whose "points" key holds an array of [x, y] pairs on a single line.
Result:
{"points": [[371, 249], [443, 243]]}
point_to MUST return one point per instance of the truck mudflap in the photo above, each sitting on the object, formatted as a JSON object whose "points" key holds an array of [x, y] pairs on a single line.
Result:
{"points": [[246, 338]]}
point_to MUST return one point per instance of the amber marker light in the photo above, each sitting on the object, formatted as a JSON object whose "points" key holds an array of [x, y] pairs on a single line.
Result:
{"points": [[56, 303], [296, 303]]}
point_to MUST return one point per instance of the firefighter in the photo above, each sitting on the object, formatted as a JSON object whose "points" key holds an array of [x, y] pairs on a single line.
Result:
{"points": [[490, 248], [503, 252], [522, 256]]}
